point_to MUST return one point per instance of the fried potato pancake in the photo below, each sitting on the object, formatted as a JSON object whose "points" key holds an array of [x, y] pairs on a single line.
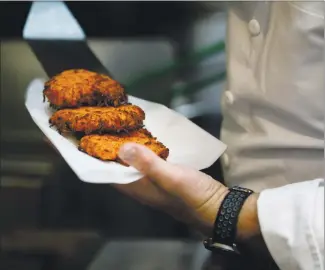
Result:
{"points": [[79, 87], [89, 120], [106, 147]]}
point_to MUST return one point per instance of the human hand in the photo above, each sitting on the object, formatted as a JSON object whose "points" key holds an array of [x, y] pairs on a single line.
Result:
{"points": [[187, 194]]}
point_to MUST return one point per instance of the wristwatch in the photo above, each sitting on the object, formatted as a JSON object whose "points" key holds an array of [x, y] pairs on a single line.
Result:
{"points": [[225, 226]]}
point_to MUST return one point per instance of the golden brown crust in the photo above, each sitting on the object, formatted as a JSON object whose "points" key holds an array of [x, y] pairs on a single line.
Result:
{"points": [[106, 147], [79, 87], [98, 119]]}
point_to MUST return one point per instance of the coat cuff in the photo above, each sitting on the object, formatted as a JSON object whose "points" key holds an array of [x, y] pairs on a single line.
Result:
{"points": [[285, 216]]}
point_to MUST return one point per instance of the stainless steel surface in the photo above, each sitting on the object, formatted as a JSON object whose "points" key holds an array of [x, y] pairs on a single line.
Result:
{"points": [[68, 250], [146, 255]]}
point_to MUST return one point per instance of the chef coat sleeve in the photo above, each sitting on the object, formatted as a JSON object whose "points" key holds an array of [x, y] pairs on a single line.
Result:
{"points": [[292, 224]]}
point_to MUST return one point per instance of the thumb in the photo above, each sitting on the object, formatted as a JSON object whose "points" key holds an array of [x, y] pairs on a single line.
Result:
{"points": [[178, 180], [148, 163], [193, 187]]}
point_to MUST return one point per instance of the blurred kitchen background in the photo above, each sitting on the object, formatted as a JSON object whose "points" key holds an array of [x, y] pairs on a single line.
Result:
{"points": [[167, 52]]}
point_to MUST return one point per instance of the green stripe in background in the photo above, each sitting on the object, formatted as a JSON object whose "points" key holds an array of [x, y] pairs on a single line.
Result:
{"points": [[192, 59]]}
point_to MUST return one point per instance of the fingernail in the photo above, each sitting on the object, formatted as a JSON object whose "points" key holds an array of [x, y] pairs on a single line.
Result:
{"points": [[127, 153]]}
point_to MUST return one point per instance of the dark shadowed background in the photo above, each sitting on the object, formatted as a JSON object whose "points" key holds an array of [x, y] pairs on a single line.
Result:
{"points": [[167, 52]]}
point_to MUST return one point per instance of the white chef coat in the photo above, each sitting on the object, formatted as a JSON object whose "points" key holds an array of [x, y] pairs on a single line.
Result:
{"points": [[292, 224], [273, 105]]}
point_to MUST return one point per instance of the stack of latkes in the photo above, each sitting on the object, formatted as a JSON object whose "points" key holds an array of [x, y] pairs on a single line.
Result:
{"points": [[96, 108]]}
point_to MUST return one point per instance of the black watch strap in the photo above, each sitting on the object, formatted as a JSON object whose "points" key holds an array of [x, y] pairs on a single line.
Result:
{"points": [[225, 226]]}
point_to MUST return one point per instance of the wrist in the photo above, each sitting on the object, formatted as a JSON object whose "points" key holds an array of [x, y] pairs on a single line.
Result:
{"points": [[248, 223], [236, 222], [227, 224]]}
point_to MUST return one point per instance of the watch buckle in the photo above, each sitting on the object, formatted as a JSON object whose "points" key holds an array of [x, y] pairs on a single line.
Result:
{"points": [[210, 245]]}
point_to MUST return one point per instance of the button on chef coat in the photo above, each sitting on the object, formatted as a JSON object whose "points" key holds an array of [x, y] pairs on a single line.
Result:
{"points": [[254, 27], [273, 107], [229, 97]]}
